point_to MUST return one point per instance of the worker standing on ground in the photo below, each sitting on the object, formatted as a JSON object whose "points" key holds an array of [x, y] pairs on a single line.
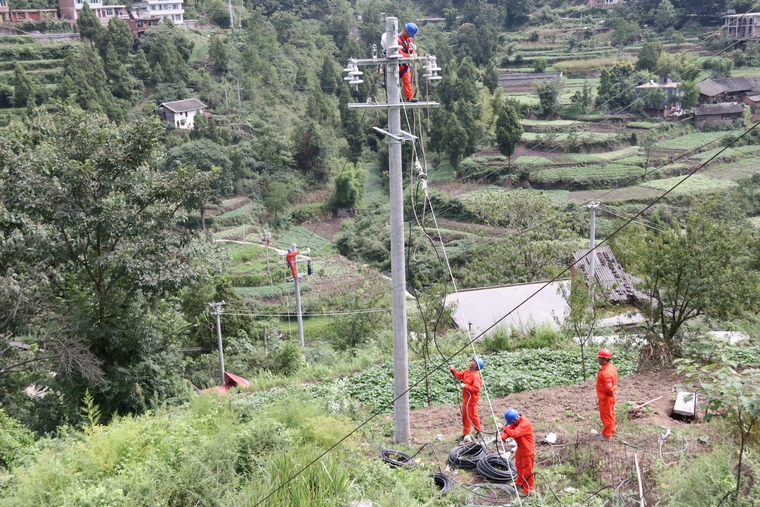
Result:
{"points": [[406, 41], [520, 428], [471, 384], [606, 390]]}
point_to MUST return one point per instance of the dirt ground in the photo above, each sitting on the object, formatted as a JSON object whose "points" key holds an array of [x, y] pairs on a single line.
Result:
{"points": [[571, 413]]}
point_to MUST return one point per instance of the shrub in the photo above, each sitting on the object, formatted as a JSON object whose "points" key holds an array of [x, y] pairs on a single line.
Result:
{"points": [[16, 441]]}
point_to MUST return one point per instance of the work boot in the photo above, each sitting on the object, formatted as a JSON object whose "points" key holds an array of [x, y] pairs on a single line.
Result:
{"points": [[414, 99]]}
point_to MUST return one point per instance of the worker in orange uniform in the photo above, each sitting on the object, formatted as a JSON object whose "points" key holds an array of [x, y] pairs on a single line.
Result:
{"points": [[290, 259], [471, 384], [406, 41], [606, 389], [520, 428]]}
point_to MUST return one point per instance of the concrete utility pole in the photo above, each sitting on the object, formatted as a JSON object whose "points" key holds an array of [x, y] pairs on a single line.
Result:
{"points": [[299, 316], [218, 311], [394, 137], [592, 244]]}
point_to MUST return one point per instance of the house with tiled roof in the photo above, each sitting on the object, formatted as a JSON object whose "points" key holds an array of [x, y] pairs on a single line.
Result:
{"points": [[180, 113], [616, 285]]}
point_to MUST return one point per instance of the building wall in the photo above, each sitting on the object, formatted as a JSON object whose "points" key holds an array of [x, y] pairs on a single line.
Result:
{"points": [[179, 120], [742, 26], [723, 121], [602, 4]]}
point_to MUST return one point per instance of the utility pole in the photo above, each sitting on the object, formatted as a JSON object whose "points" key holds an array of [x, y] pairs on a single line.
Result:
{"points": [[218, 311], [394, 137], [266, 237], [592, 253], [292, 258]]}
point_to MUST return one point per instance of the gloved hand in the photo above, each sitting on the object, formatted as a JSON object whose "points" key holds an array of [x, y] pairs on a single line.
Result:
{"points": [[412, 48], [499, 427], [451, 367], [461, 386]]}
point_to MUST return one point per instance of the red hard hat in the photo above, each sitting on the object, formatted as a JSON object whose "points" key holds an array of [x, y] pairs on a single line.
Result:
{"points": [[605, 353]]}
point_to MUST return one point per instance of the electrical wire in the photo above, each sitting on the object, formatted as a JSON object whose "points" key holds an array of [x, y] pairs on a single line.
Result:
{"points": [[443, 481], [396, 459], [495, 468], [466, 457]]}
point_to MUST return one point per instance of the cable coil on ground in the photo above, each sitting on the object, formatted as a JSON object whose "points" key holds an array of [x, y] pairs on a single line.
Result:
{"points": [[494, 468], [466, 457], [396, 459], [443, 481]]}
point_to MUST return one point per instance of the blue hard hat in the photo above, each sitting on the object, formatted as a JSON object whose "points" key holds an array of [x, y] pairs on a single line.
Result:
{"points": [[479, 362], [411, 28], [511, 415]]}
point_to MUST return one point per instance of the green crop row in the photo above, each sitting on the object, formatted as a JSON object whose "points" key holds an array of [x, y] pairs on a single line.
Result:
{"points": [[505, 373], [587, 177], [693, 141], [697, 184]]}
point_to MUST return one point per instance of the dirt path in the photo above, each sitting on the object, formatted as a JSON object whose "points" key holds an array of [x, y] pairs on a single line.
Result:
{"points": [[551, 409]]}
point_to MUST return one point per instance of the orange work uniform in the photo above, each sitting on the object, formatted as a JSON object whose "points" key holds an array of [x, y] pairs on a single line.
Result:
{"points": [[470, 397], [525, 456], [606, 387], [403, 69]]}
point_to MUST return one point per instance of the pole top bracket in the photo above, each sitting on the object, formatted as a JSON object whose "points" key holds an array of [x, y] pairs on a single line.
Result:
{"points": [[401, 136]]}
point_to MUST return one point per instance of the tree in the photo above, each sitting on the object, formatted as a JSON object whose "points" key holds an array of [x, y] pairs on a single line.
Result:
{"points": [[548, 97], [539, 65], [666, 16], [688, 94], [703, 268], [580, 319], [173, 66], [582, 99], [616, 86], [89, 24], [217, 55], [140, 68], [114, 254], [313, 152], [276, 198], [719, 67], [517, 12], [648, 142], [208, 157], [728, 392], [24, 90], [625, 32], [509, 130], [455, 139], [328, 77], [349, 186], [648, 56], [491, 77], [120, 36]]}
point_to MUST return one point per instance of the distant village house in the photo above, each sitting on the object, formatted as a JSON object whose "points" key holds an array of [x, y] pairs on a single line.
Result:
{"points": [[671, 106], [618, 286], [180, 113], [602, 4], [722, 115], [728, 89], [741, 26]]}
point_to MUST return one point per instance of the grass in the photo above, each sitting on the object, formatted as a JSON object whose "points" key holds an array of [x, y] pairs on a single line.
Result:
{"points": [[692, 141], [586, 177], [529, 160], [583, 137], [589, 64], [303, 238], [646, 125], [697, 184]]}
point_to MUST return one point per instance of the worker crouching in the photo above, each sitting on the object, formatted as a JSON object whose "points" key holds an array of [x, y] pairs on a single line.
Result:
{"points": [[471, 384], [520, 428]]}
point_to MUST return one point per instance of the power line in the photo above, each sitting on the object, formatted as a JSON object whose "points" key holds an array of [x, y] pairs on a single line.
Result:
{"points": [[557, 277]]}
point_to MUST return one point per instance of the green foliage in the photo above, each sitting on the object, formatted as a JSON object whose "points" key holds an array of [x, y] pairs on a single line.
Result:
{"points": [[719, 67], [24, 90], [349, 186], [585, 177], [16, 442], [548, 96], [523, 337], [508, 131], [625, 32], [217, 55], [692, 141], [111, 216], [505, 373], [276, 198], [88, 24], [617, 86], [539, 65], [649, 54]]}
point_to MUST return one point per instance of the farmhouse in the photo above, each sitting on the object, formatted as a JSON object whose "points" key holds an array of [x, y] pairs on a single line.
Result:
{"points": [[729, 89], [69, 9], [602, 4], [723, 115], [151, 9], [617, 285], [180, 113], [741, 26], [670, 106], [24, 15]]}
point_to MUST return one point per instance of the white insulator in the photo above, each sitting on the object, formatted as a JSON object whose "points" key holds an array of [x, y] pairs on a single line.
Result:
{"points": [[348, 78], [356, 82], [434, 78], [393, 47], [355, 72]]}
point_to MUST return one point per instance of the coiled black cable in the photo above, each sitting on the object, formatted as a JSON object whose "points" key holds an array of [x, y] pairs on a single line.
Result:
{"points": [[494, 468], [396, 459], [466, 457], [443, 481]]}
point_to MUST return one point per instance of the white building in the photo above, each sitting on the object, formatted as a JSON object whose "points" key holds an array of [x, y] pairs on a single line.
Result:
{"points": [[69, 9], [180, 113], [171, 9]]}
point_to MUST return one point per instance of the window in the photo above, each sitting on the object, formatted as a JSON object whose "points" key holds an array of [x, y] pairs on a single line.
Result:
{"points": [[3, 3], [182, 122], [139, 24], [21, 15], [109, 12]]}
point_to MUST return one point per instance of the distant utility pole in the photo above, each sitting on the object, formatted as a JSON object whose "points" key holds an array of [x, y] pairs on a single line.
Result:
{"points": [[266, 238], [291, 259], [394, 137], [592, 253], [218, 311]]}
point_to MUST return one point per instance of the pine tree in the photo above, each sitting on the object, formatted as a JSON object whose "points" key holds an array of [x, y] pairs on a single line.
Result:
{"points": [[217, 55], [24, 90], [122, 83], [88, 24], [328, 78], [174, 68], [455, 140], [509, 130], [140, 68], [111, 62], [120, 36], [158, 75], [491, 77]]}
